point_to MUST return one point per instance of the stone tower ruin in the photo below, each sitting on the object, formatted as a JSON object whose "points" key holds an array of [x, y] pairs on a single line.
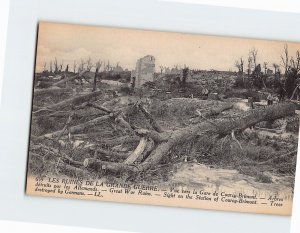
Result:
{"points": [[144, 71]]}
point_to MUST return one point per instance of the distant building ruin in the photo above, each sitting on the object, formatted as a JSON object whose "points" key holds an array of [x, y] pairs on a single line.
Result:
{"points": [[144, 71], [269, 72], [118, 69]]}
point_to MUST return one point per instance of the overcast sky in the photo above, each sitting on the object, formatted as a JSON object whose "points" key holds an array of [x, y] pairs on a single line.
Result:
{"points": [[73, 42]]}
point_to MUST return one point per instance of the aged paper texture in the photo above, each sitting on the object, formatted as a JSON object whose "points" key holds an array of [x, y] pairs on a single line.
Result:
{"points": [[164, 118]]}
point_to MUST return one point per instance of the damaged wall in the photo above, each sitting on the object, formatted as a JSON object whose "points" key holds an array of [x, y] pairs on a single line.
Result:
{"points": [[144, 71]]}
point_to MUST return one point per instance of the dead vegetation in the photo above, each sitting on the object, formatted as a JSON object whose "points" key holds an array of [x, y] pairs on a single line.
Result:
{"points": [[93, 130]]}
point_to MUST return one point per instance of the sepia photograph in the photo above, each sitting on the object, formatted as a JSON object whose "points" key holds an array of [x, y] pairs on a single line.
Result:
{"points": [[164, 118]]}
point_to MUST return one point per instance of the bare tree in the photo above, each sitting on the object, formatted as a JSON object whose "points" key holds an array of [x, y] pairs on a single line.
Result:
{"points": [[161, 69], [51, 67], [61, 65], [104, 66], [291, 68], [285, 58], [81, 66], [185, 72], [253, 55], [89, 64], [295, 63], [74, 66], [265, 65], [55, 65], [44, 67], [276, 69], [249, 66], [240, 65], [98, 66], [66, 75], [298, 58], [257, 74], [108, 67], [294, 74]]}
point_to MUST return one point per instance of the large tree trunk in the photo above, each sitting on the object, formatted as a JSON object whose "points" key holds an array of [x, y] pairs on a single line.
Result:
{"points": [[57, 90], [79, 128], [168, 140], [71, 78], [95, 79], [69, 102]]}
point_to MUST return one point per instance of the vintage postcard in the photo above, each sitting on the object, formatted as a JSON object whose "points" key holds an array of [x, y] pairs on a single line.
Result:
{"points": [[164, 118]]}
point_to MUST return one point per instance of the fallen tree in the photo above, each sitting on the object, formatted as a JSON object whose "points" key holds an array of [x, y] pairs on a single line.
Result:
{"points": [[291, 153], [165, 141], [65, 166], [65, 114], [68, 103], [80, 75], [210, 112], [38, 92], [78, 128], [117, 116]]}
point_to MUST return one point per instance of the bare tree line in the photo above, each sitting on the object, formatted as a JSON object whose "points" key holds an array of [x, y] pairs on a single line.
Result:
{"points": [[53, 66], [257, 74]]}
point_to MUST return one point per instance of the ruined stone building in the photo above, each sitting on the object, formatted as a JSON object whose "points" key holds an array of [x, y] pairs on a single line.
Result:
{"points": [[144, 71], [269, 72], [117, 69]]}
